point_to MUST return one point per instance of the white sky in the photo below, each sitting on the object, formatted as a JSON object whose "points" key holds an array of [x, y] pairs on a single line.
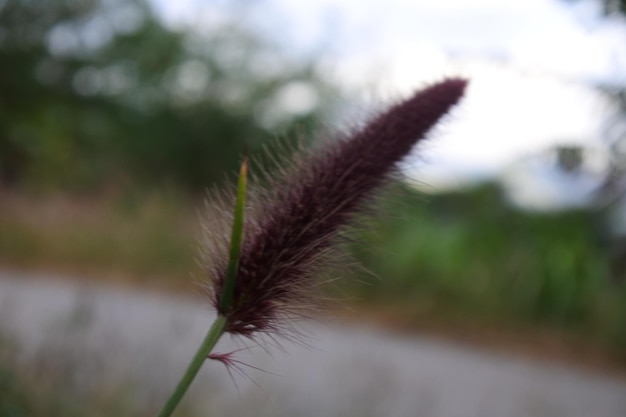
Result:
{"points": [[529, 63]]}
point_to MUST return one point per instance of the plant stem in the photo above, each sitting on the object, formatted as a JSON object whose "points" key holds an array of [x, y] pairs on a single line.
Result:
{"points": [[209, 342], [226, 297]]}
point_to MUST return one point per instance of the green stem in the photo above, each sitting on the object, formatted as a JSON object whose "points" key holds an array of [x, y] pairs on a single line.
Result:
{"points": [[209, 342], [228, 288]]}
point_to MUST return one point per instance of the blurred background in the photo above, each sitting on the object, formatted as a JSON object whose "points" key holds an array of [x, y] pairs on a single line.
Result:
{"points": [[510, 230]]}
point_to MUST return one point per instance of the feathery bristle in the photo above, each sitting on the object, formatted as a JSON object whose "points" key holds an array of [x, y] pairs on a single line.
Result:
{"points": [[308, 207]]}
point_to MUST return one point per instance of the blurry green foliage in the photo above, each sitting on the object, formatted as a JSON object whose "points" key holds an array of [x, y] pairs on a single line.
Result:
{"points": [[150, 237], [474, 255], [12, 402], [23, 395], [98, 92]]}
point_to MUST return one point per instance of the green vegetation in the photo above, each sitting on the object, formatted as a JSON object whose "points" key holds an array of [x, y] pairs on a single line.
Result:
{"points": [[29, 390], [98, 94], [470, 254], [22, 396], [146, 237]]}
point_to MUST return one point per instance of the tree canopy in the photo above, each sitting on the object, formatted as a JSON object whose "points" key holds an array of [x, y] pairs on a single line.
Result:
{"points": [[97, 92]]}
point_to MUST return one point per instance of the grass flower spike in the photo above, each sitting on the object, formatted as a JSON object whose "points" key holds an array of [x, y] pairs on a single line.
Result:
{"points": [[311, 203], [265, 274]]}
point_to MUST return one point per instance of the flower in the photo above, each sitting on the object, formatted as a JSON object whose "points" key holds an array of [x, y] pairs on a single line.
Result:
{"points": [[310, 202]]}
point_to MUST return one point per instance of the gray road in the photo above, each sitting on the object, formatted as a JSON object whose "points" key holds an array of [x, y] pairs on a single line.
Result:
{"points": [[103, 338]]}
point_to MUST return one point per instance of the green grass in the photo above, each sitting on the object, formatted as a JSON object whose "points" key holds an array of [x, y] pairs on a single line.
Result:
{"points": [[40, 389], [29, 392], [143, 237], [469, 255]]}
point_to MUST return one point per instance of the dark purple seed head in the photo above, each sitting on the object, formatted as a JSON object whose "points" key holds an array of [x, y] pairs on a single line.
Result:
{"points": [[312, 202]]}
